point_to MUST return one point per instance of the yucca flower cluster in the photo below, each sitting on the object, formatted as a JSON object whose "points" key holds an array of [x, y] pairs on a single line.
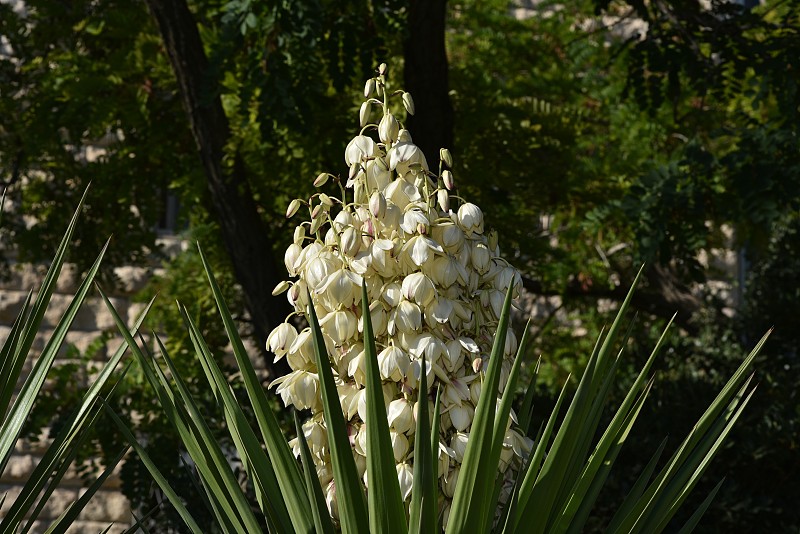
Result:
{"points": [[436, 284]]}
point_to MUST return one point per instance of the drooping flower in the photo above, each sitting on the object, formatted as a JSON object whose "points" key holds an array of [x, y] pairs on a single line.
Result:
{"points": [[436, 284]]}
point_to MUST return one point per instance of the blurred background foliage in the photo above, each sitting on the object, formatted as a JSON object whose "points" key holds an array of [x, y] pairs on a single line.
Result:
{"points": [[595, 135]]}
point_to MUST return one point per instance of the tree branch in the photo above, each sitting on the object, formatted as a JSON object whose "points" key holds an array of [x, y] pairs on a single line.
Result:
{"points": [[663, 296], [232, 200], [426, 77]]}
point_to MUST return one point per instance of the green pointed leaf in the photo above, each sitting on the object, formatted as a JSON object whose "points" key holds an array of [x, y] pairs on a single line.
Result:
{"points": [[691, 524], [500, 423], [156, 474], [420, 489], [386, 511], [708, 422], [12, 424], [256, 461], [349, 495], [529, 480], [466, 508], [68, 517], [223, 483], [12, 360], [286, 469], [594, 475], [45, 292], [689, 475], [526, 409], [319, 510], [430, 508], [637, 490]]}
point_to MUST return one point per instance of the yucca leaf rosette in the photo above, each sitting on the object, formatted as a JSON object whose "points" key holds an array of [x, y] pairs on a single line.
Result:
{"points": [[436, 284]]}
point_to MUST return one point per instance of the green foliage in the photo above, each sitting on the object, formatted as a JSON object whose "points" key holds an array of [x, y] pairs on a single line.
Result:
{"points": [[16, 405], [94, 81], [558, 490], [593, 150]]}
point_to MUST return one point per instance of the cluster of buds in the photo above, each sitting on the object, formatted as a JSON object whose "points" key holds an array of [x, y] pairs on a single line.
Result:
{"points": [[436, 284]]}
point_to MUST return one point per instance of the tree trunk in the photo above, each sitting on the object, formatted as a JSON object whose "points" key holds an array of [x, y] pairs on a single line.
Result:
{"points": [[232, 200], [426, 77]]}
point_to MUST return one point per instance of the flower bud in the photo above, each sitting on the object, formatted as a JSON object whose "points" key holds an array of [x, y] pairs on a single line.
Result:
{"points": [[388, 129], [382, 68], [330, 500], [443, 198], [361, 146], [377, 204], [363, 113], [475, 391], [392, 292], [294, 294], [369, 87], [350, 241], [393, 363], [458, 443], [290, 258], [408, 103], [450, 236], [315, 224], [408, 316], [294, 205], [281, 287], [446, 157], [477, 364], [299, 234], [447, 178], [342, 220], [378, 318], [493, 238], [321, 179], [325, 200], [339, 325]]}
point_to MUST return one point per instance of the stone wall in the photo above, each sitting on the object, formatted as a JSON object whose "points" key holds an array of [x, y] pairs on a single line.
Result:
{"points": [[108, 505]]}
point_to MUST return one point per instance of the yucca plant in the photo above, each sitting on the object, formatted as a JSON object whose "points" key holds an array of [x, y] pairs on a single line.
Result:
{"points": [[16, 403], [418, 436]]}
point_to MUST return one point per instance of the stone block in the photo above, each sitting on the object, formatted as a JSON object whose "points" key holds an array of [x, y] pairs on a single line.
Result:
{"points": [[132, 279], [58, 502], [134, 310], [19, 468], [82, 341], [4, 333], [69, 279], [106, 506], [93, 314], [24, 276], [11, 493], [10, 304]]}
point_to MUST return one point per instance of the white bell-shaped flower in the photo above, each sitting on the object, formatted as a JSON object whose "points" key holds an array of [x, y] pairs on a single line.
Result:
{"points": [[280, 339], [470, 218], [359, 148]]}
